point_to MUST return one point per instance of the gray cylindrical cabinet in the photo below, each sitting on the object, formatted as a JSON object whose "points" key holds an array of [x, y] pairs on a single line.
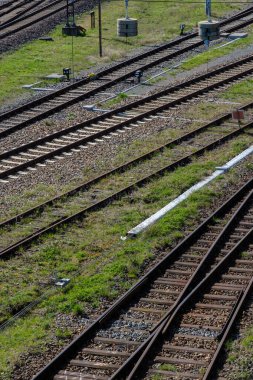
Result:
{"points": [[127, 27], [209, 30]]}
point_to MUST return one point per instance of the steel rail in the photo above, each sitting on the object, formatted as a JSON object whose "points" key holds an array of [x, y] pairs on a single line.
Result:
{"points": [[32, 22], [79, 83], [212, 368], [10, 7], [118, 169], [23, 15], [186, 302], [78, 98], [105, 72], [19, 14], [56, 364], [24, 242], [92, 137], [197, 276], [8, 4]]}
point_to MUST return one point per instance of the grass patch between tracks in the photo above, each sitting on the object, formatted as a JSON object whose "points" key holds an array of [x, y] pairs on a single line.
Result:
{"points": [[217, 51], [92, 255], [36, 59]]}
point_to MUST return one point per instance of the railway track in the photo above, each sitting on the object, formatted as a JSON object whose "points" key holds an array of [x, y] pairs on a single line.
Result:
{"points": [[30, 16], [33, 111], [27, 156], [88, 197], [6, 6], [193, 338], [112, 345], [14, 11]]}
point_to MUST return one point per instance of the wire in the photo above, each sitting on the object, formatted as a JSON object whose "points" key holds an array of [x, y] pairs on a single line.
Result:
{"points": [[189, 2], [72, 56]]}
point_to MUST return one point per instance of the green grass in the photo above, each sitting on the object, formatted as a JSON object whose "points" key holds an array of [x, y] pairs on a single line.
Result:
{"points": [[98, 263], [168, 367], [240, 350], [156, 80], [34, 60], [216, 52], [15, 337], [116, 100], [156, 376], [41, 192], [241, 91], [247, 342], [240, 354], [92, 255]]}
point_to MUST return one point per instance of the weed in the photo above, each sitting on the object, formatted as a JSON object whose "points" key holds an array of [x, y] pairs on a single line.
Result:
{"points": [[49, 123], [168, 367], [243, 375], [156, 80], [202, 370], [61, 333], [77, 309], [157, 376], [50, 253], [247, 342], [239, 146], [116, 100], [71, 116], [228, 344], [231, 358], [250, 166], [245, 255]]}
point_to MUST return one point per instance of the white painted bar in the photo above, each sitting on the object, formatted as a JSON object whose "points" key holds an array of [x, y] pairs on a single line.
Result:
{"points": [[170, 206]]}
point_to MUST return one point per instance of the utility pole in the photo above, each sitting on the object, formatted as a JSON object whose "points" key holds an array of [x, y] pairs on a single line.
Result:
{"points": [[100, 28], [73, 10], [126, 5], [67, 24], [208, 10]]}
